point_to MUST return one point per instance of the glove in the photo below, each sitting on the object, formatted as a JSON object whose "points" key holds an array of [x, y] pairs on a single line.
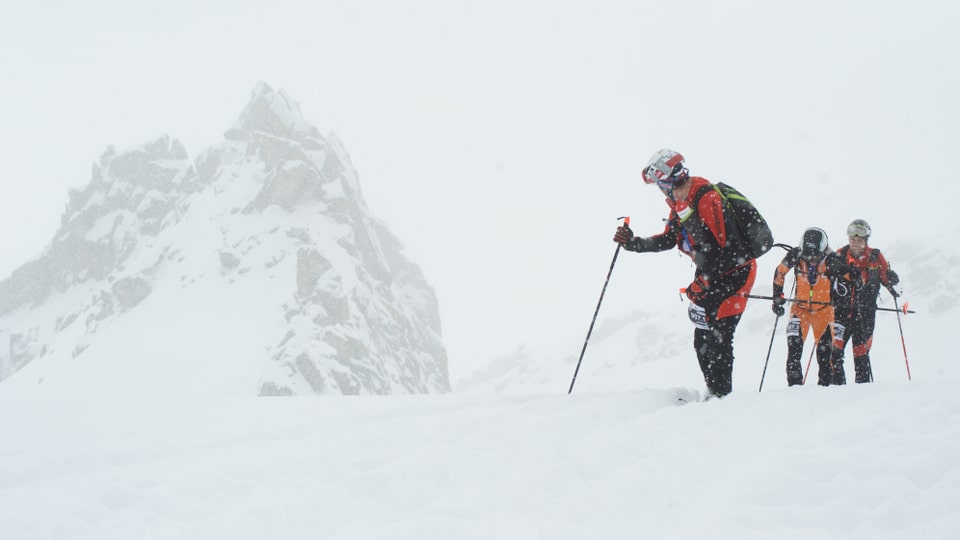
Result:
{"points": [[893, 292], [778, 300], [624, 235], [777, 306]]}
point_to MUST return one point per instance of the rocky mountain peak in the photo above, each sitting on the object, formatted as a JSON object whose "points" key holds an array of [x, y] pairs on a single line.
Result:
{"points": [[273, 113], [255, 268]]}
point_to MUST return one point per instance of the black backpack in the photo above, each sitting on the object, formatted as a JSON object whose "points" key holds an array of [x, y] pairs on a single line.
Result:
{"points": [[752, 227]]}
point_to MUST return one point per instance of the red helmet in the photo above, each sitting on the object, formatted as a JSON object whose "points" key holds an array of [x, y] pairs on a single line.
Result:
{"points": [[666, 168]]}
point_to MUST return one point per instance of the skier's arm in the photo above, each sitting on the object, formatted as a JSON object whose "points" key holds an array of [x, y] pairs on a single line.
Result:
{"points": [[888, 277], [838, 269], [788, 262], [658, 242]]}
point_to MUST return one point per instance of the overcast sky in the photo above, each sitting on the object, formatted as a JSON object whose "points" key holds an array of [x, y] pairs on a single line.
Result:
{"points": [[501, 140]]}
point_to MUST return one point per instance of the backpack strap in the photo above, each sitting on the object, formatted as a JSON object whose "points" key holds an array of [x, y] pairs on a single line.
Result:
{"points": [[699, 195], [873, 269], [695, 204], [725, 197], [728, 207]]}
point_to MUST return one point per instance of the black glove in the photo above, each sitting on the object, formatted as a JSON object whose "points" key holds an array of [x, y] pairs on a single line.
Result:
{"points": [[624, 235], [893, 292], [777, 306], [778, 300]]}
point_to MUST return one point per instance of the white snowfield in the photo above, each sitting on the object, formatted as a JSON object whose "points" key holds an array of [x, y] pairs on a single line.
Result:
{"points": [[861, 461]]}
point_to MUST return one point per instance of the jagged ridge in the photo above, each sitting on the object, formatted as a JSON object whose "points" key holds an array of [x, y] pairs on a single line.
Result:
{"points": [[275, 213]]}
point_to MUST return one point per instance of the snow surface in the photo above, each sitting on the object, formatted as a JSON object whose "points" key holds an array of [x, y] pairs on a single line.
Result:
{"points": [[868, 461]]}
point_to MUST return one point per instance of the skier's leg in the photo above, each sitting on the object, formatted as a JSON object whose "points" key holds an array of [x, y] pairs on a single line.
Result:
{"points": [[720, 369], [794, 352]]}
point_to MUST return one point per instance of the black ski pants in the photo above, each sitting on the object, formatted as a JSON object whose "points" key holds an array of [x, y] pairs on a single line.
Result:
{"points": [[714, 348], [828, 367], [858, 327], [713, 338]]}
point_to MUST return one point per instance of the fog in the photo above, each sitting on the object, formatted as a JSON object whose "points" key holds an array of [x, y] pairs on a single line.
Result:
{"points": [[501, 140]]}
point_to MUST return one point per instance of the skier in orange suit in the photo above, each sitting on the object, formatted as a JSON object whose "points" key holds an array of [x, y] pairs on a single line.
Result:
{"points": [[815, 268]]}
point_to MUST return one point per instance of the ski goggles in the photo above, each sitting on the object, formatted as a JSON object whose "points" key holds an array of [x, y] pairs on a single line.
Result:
{"points": [[858, 230], [661, 171], [652, 175]]}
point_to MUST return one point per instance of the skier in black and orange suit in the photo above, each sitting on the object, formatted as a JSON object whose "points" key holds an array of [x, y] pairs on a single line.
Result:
{"points": [[856, 304], [816, 268], [699, 227]]}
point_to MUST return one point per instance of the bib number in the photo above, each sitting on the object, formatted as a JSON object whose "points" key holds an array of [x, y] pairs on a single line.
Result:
{"points": [[838, 331], [698, 316], [793, 327]]}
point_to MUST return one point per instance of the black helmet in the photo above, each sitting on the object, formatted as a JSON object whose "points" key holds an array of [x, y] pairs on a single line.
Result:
{"points": [[814, 243]]}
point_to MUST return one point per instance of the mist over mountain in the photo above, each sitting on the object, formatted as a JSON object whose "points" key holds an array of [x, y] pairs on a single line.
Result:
{"points": [[255, 268]]}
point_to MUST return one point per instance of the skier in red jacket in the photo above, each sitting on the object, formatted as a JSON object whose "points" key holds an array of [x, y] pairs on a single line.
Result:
{"points": [[699, 227], [856, 305]]}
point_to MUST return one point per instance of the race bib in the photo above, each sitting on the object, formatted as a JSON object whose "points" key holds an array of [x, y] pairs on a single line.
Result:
{"points": [[838, 330], [698, 316], [793, 326]]}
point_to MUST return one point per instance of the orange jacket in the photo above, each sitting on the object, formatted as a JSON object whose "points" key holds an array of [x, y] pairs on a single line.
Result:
{"points": [[814, 281]]}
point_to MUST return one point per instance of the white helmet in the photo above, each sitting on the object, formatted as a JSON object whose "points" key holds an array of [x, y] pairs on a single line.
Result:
{"points": [[667, 169]]}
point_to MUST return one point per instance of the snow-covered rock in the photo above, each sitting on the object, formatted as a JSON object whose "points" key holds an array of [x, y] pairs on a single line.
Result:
{"points": [[255, 268]]}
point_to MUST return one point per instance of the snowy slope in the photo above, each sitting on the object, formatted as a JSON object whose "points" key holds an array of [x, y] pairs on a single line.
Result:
{"points": [[256, 268], [862, 462]]}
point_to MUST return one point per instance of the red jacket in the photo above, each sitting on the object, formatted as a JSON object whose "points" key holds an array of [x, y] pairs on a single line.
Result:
{"points": [[859, 295], [699, 227]]}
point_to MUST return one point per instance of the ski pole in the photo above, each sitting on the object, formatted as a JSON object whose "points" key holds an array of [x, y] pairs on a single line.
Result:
{"points": [[626, 223], [902, 342], [809, 361], [816, 302], [774, 333], [770, 348], [898, 310], [796, 300]]}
